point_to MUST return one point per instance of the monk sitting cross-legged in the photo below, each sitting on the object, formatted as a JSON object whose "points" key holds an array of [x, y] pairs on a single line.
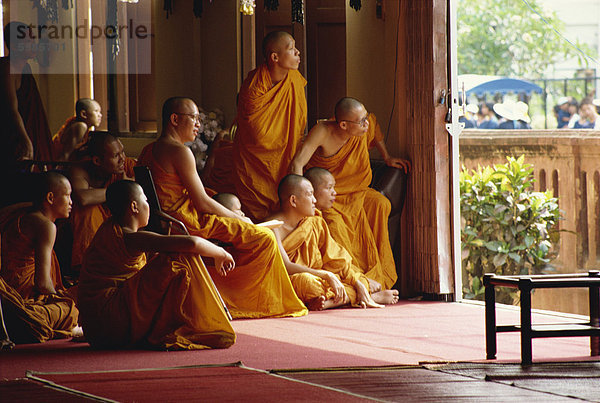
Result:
{"points": [[320, 269], [30, 273], [74, 133], [168, 301], [104, 164], [259, 286], [358, 219]]}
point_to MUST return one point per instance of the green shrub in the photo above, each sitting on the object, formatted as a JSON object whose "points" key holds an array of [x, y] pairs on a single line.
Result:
{"points": [[506, 227]]}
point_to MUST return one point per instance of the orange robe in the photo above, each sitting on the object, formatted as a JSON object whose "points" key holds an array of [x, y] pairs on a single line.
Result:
{"points": [[310, 244], [271, 123], [33, 114], [54, 312], [57, 139], [85, 220], [358, 219], [259, 286], [219, 176], [168, 302]]}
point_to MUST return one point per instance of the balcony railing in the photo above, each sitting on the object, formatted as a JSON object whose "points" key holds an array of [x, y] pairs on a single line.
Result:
{"points": [[567, 162]]}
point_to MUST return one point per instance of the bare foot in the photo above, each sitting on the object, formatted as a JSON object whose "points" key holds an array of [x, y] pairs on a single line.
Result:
{"points": [[374, 286], [6, 344], [316, 304], [386, 297], [77, 334]]}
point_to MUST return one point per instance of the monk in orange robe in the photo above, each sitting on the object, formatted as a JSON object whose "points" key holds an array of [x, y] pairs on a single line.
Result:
{"points": [[358, 218], [24, 132], [29, 266], [271, 120], [74, 133], [105, 164], [320, 269], [167, 302], [259, 286]]}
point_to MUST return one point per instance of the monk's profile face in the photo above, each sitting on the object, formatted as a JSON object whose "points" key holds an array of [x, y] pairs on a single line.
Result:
{"points": [[141, 200], [93, 114], [288, 57], [357, 122], [113, 161], [188, 122], [61, 202], [325, 192], [305, 199]]}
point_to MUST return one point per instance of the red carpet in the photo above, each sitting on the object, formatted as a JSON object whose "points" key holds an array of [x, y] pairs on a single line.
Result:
{"points": [[204, 383], [408, 333]]}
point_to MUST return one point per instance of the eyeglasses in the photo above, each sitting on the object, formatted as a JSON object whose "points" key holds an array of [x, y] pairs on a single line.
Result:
{"points": [[195, 116], [361, 122]]}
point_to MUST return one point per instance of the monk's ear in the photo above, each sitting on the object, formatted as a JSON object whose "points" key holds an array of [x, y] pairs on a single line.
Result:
{"points": [[133, 206], [274, 57], [83, 114], [50, 198], [174, 119], [96, 160], [293, 201], [343, 125]]}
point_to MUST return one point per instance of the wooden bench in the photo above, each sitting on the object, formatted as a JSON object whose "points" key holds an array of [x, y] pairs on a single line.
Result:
{"points": [[525, 284]]}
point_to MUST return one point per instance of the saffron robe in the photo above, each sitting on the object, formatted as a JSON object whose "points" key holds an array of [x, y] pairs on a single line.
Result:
{"points": [[48, 316], [219, 176], [85, 220], [33, 114], [271, 122], [310, 244], [259, 285], [166, 303], [358, 219], [57, 139]]}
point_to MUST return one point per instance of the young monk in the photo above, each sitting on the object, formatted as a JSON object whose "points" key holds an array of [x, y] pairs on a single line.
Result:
{"points": [[358, 219], [320, 269], [105, 163], [260, 286], [74, 133], [230, 201], [167, 302], [30, 268], [271, 119]]}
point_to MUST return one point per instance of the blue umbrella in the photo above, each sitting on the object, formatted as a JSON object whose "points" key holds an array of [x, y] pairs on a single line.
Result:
{"points": [[504, 86]]}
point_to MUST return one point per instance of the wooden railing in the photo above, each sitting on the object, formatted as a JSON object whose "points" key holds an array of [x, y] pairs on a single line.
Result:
{"points": [[567, 162]]}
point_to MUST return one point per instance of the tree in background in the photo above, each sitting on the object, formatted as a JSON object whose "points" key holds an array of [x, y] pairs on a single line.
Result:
{"points": [[507, 38]]}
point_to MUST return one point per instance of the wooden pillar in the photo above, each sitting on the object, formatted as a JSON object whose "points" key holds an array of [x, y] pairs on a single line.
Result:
{"points": [[422, 75]]}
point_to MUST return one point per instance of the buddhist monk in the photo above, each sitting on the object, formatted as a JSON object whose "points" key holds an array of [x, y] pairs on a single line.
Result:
{"points": [[230, 201], [31, 277], [320, 269], [358, 219], [24, 132], [271, 120], [74, 133], [105, 163], [259, 286], [167, 302]]}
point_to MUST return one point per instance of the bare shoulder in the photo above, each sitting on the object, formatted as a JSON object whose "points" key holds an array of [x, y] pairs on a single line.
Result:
{"points": [[35, 225], [320, 131]]}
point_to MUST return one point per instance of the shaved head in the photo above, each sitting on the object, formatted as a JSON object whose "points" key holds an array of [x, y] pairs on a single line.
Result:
{"points": [[344, 108], [119, 196], [47, 182], [226, 199], [96, 145], [172, 105], [289, 185], [84, 104], [317, 176], [272, 42]]}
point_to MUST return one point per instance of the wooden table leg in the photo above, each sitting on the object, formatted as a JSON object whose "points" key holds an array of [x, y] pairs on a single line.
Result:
{"points": [[490, 318], [525, 288]]}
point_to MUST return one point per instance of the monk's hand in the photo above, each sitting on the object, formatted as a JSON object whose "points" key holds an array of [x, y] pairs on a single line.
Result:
{"points": [[246, 219], [224, 263], [337, 286], [24, 150], [398, 163]]}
